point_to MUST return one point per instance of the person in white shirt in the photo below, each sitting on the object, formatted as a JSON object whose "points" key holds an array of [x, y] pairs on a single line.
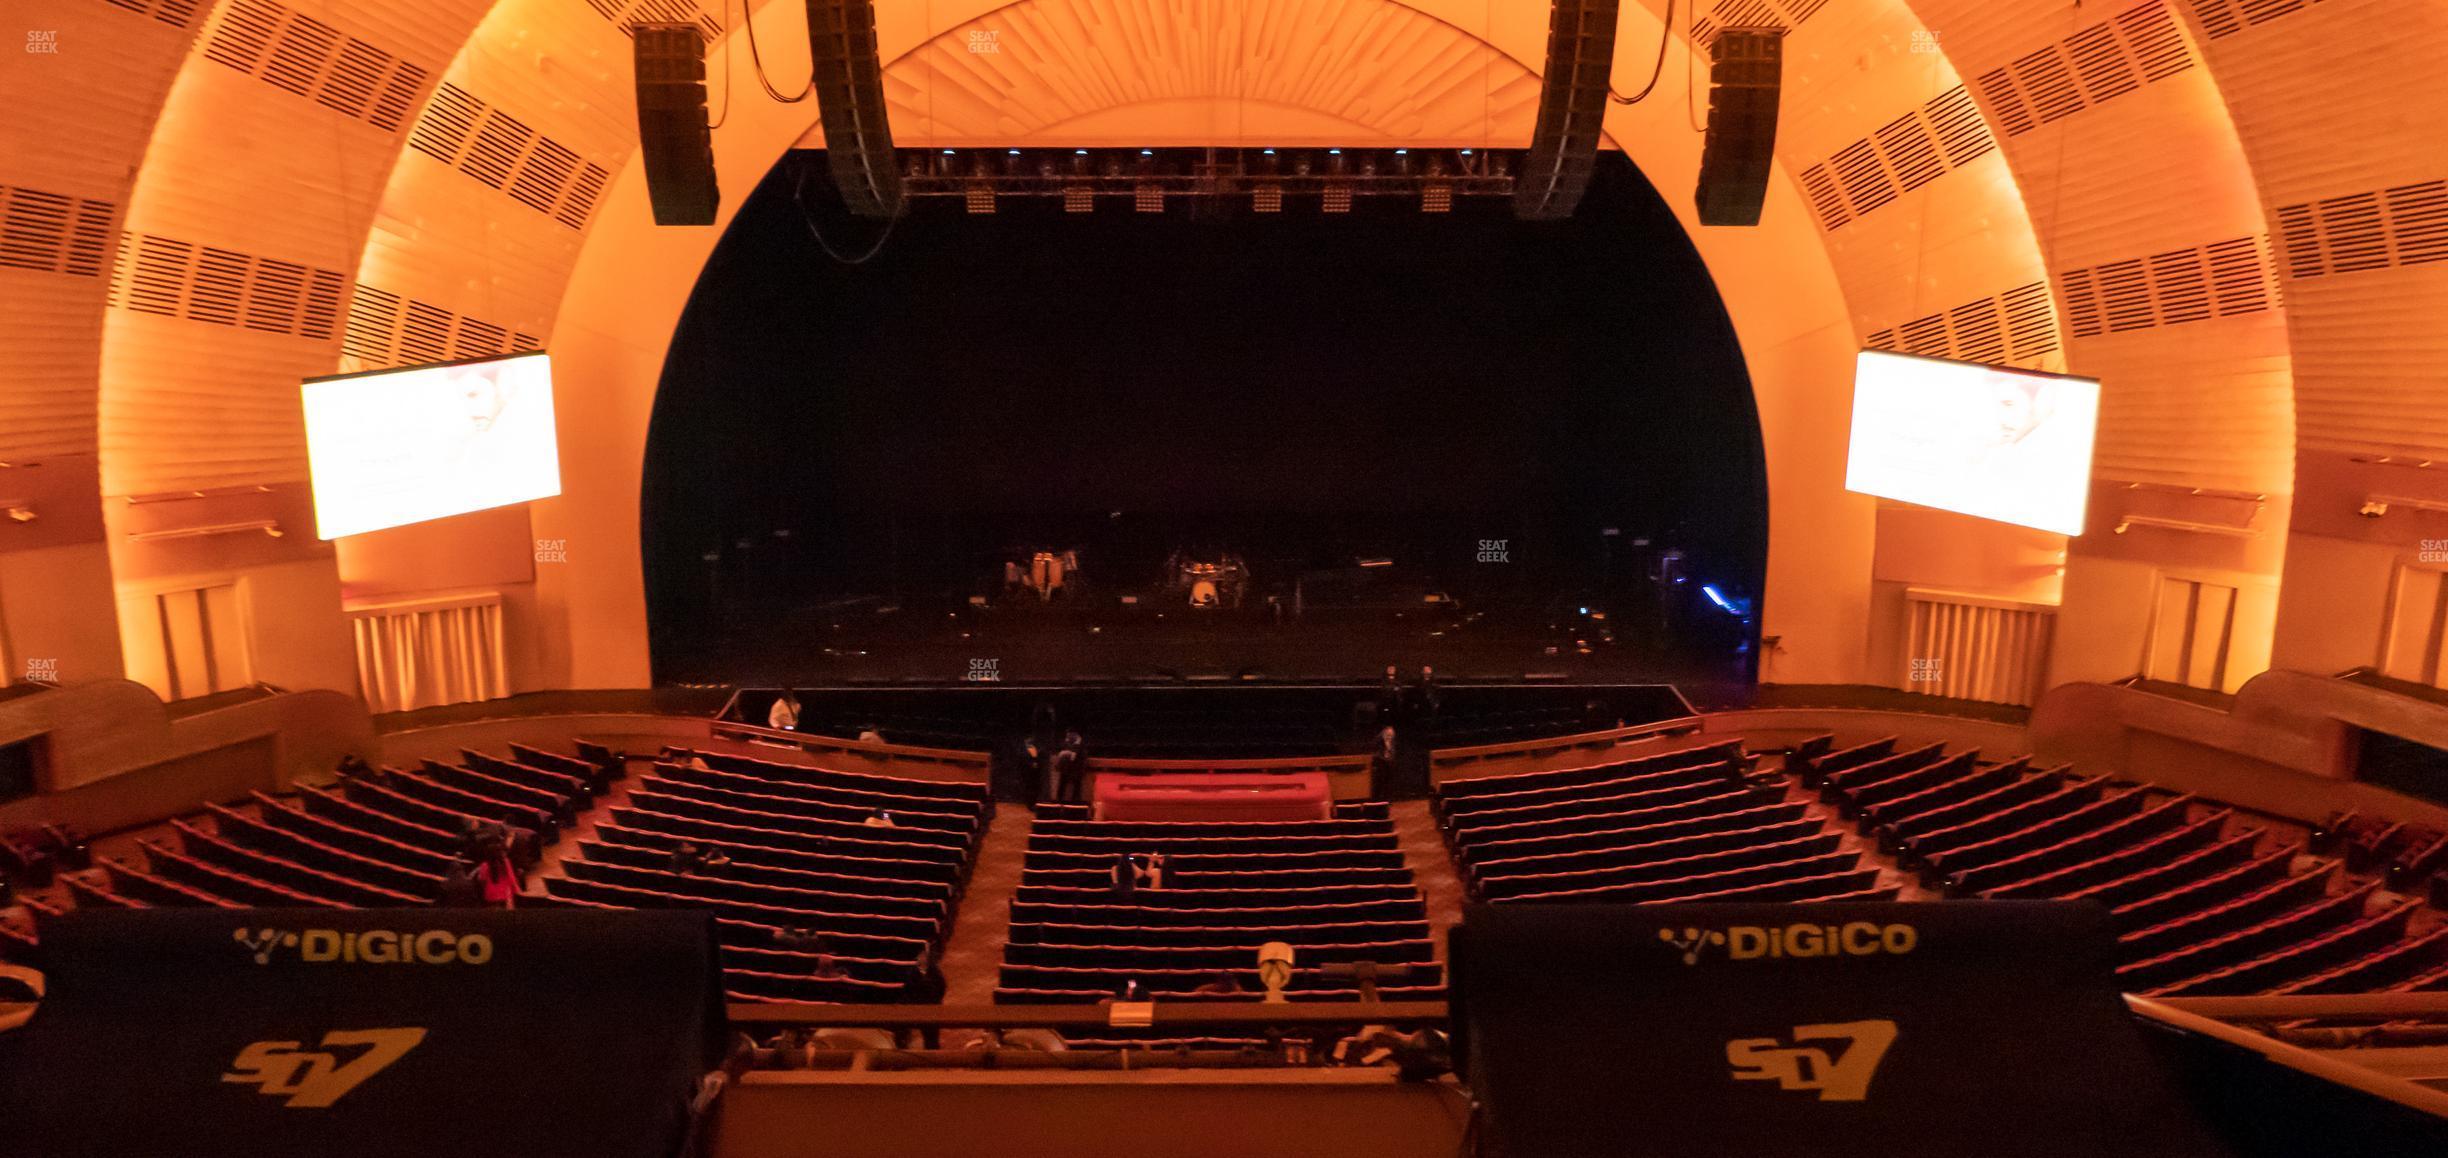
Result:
{"points": [[784, 715]]}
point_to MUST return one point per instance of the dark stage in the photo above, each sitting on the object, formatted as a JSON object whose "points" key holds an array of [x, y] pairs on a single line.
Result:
{"points": [[1294, 447]]}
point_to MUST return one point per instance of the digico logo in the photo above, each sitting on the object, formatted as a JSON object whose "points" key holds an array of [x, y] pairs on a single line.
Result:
{"points": [[1752, 942], [313, 1079], [1842, 1078], [369, 947]]}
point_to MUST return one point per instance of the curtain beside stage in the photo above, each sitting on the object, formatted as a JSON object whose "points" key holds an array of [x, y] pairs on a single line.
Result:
{"points": [[431, 652]]}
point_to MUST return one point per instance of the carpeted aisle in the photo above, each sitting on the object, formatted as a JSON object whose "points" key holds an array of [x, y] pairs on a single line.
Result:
{"points": [[973, 954]]}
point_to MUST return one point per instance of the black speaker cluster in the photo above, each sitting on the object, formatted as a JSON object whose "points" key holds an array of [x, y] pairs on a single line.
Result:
{"points": [[673, 134], [1746, 69]]}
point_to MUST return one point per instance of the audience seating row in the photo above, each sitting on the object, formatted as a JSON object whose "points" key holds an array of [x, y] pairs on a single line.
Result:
{"points": [[380, 838], [1338, 891], [827, 885], [1671, 820], [2204, 904]]}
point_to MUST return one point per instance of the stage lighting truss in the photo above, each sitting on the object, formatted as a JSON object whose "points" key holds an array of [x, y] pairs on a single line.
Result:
{"points": [[1271, 180]]}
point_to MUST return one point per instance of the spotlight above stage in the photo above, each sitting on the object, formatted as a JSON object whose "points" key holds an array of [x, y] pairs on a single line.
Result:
{"points": [[1201, 180]]}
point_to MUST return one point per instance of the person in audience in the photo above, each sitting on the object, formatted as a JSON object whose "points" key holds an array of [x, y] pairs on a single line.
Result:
{"points": [[799, 939], [926, 988], [354, 767], [715, 858], [870, 735], [828, 969], [1224, 984], [74, 852], [790, 1050], [1125, 876], [1152, 871], [1069, 760], [880, 819], [1429, 699], [1381, 757], [460, 888], [1040, 758], [784, 714], [685, 859], [495, 875], [1390, 698]]}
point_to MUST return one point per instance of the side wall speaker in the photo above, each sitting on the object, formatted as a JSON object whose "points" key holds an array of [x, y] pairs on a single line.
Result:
{"points": [[850, 104], [673, 134], [1572, 103], [1746, 69]]}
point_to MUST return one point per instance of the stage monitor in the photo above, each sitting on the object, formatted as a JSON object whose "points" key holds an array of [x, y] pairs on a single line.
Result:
{"points": [[1989, 441], [394, 447]]}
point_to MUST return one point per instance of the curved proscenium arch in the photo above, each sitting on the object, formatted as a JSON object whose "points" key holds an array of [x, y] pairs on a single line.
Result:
{"points": [[2175, 161]]}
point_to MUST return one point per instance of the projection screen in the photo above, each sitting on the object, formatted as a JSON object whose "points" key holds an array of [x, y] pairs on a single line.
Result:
{"points": [[2009, 445], [395, 447]]}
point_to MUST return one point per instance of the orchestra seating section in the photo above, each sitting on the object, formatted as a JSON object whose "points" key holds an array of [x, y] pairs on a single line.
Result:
{"points": [[826, 885], [783, 851], [1664, 820], [2207, 901], [1338, 891], [842, 886], [384, 838]]}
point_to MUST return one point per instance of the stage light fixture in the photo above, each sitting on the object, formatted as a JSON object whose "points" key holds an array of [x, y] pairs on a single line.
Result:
{"points": [[1149, 197], [1338, 197], [1079, 199], [1266, 198], [1436, 199], [981, 198]]}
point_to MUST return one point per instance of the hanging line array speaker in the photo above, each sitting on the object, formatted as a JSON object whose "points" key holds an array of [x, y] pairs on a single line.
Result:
{"points": [[849, 80], [1746, 68], [1572, 104], [673, 134]]}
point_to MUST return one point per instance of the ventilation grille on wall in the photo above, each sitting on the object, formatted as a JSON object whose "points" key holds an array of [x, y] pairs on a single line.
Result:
{"points": [[2228, 17], [2009, 327], [2098, 64], [623, 13], [53, 232], [2405, 225], [465, 133], [1905, 154], [1783, 15], [203, 283], [2223, 279], [385, 329], [171, 12], [304, 56]]}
